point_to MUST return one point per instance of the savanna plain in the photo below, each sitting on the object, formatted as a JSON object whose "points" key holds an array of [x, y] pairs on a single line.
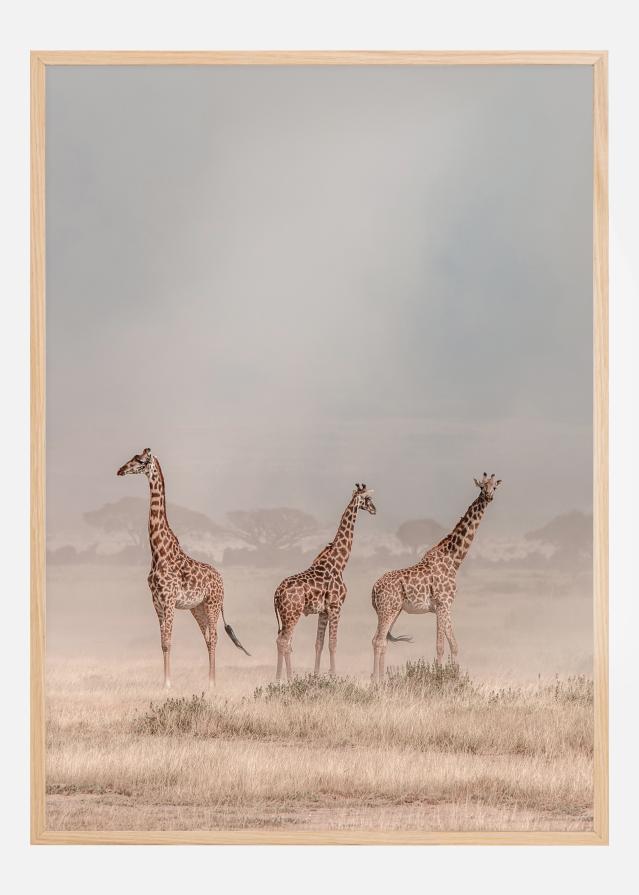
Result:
{"points": [[488, 748]]}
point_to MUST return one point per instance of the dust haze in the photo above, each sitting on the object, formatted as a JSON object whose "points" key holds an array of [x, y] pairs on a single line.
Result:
{"points": [[284, 285]]}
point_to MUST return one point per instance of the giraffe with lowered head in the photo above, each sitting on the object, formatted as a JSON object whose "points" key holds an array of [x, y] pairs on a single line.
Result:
{"points": [[176, 580], [430, 585], [319, 589]]}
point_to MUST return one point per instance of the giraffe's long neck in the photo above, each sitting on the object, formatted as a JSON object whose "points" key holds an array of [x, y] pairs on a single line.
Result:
{"points": [[161, 537], [461, 537], [343, 540]]}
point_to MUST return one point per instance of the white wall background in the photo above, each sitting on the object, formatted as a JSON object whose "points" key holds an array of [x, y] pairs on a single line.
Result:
{"points": [[331, 24]]}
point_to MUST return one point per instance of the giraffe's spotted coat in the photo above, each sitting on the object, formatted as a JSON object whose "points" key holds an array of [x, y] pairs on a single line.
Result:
{"points": [[319, 589], [176, 580]]}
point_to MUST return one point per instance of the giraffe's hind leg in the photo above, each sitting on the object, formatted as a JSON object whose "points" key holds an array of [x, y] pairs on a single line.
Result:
{"points": [[379, 646], [280, 660], [387, 613], [289, 606], [199, 614], [213, 612], [206, 617], [284, 650]]}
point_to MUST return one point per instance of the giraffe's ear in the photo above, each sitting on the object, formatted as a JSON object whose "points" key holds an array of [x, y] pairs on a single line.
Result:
{"points": [[477, 483], [498, 482]]}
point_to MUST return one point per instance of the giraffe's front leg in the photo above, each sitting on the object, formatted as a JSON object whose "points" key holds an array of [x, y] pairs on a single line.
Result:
{"points": [[450, 637], [333, 621], [319, 642], [440, 635], [165, 609]]}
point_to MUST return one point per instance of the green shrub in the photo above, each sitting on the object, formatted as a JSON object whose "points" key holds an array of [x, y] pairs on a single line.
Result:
{"points": [[314, 688], [426, 677]]}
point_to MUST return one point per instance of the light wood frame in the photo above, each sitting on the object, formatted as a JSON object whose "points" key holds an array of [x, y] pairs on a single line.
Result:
{"points": [[598, 61]]}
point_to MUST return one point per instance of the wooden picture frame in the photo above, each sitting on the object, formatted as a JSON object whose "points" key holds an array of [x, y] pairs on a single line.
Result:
{"points": [[40, 61]]}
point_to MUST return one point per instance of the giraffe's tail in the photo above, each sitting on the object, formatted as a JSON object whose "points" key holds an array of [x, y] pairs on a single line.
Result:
{"points": [[229, 630], [400, 638], [277, 616]]}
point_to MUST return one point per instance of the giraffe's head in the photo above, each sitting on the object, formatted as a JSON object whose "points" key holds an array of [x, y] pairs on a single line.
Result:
{"points": [[364, 501], [488, 485], [139, 463]]}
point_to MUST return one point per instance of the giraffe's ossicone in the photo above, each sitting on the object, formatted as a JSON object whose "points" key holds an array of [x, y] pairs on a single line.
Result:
{"points": [[430, 585]]}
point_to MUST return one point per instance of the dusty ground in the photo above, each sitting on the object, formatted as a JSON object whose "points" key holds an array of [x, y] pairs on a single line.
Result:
{"points": [[511, 624], [421, 754]]}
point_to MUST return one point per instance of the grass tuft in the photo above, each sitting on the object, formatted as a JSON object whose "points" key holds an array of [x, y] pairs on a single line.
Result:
{"points": [[316, 688], [174, 716], [424, 678]]}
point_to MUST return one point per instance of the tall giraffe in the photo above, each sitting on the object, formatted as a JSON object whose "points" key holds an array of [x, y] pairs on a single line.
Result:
{"points": [[320, 588], [430, 585], [176, 580]]}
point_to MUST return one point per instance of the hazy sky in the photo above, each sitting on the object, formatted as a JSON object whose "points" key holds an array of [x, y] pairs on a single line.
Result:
{"points": [[285, 280]]}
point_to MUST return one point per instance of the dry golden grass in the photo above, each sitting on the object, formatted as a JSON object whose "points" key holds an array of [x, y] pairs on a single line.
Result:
{"points": [[425, 752]]}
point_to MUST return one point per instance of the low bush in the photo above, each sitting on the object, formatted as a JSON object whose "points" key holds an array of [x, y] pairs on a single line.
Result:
{"points": [[423, 677], [316, 688]]}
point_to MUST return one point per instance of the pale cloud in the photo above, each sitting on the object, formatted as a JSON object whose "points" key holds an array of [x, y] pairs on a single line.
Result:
{"points": [[287, 281]]}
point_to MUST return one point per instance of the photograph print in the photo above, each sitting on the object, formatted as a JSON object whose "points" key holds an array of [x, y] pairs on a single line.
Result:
{"points": [[319, 450]]}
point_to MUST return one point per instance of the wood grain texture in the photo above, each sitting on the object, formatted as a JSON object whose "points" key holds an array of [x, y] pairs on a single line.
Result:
{"points": [[598, 61], [324, 57], [308, 837], [37, 449], [600, 429]]}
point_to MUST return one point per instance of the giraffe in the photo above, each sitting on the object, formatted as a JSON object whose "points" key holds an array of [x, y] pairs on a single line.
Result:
{"points": [[320, 588], [429, 585], [176, 580]]}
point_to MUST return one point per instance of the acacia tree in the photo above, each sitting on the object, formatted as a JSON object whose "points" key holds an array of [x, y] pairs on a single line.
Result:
{"points": [[130, 515], [126, 515], [278, 527]]}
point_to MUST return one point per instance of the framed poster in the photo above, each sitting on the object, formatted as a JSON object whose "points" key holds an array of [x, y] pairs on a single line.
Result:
{"points": [[326, 336]]}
